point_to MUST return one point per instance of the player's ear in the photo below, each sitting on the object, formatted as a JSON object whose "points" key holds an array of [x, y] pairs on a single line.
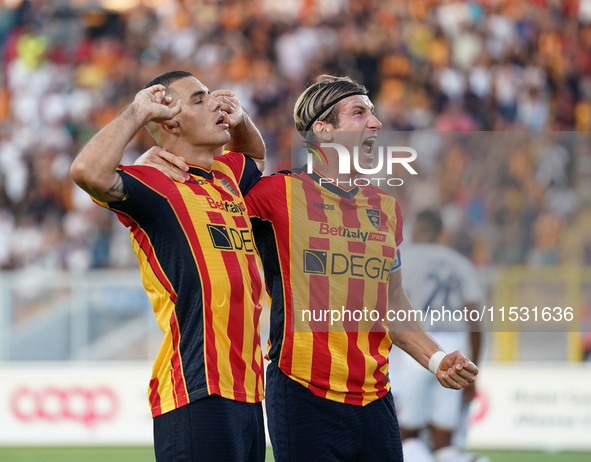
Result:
{"points": [[170, 126], [323, 131]]}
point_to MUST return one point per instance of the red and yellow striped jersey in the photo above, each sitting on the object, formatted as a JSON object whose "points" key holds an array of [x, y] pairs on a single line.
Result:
{"points": [[199, 266], [325, 248]]}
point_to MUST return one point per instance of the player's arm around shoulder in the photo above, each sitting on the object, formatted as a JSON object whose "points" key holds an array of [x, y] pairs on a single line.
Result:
{"points": [[95, 168]]}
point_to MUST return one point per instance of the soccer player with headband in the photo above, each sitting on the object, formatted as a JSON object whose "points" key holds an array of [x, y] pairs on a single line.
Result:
{"points": [[328, 388]]}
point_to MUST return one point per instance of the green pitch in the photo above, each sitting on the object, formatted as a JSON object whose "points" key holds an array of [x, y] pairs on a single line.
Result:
{"points": [[146, 455]]}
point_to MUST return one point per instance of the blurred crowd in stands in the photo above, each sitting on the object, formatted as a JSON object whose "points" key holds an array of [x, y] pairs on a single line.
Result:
{"points": [[68, 67]]}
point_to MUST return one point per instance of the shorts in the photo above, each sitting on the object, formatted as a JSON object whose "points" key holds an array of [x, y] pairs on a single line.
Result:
{"points": [[211, 429], [307, 428], [420, 398]]}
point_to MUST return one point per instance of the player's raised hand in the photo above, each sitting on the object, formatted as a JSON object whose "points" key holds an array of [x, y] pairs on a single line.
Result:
{"points": [[231, 106], [156, 104], [456, 371], [172, 166]]}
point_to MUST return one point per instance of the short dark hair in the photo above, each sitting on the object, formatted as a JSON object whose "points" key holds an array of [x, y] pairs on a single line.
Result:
{"points": [[168, 77], [432, 220]]}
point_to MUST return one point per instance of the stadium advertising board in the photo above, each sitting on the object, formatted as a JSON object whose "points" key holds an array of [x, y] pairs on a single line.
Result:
{"points": [[532, 407], [56, 404], [45, 405]]}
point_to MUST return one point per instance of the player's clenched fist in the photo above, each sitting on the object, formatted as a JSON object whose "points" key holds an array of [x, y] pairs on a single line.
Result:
{"points": [[456, 371], [155, 105]]}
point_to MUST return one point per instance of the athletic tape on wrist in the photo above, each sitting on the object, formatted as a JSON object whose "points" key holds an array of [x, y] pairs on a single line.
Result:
{"points": [[435, 361]]}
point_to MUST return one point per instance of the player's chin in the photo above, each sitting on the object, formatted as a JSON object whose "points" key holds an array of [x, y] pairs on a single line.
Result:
{"points": [[223, 136], [365, 161]]}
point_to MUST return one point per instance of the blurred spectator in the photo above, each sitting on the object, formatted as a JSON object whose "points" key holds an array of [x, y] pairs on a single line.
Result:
{"points": [[68, 67]]}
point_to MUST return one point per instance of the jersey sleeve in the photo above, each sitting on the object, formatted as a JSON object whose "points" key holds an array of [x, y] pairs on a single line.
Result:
{"points": [[397, 263], [145, 195], [267, 197], [245, 169]]}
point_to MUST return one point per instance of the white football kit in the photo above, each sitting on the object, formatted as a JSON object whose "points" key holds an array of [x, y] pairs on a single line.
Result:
{"points": [[438, 280]]}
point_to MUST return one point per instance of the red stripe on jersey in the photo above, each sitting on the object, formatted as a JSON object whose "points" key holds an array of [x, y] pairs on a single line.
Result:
{"points": [[236, 321], [319, 243], [282, 217], [349, 211], [184, 218], [357, 247], [318, 302], [388, 252], [216, 218], [313, 196], [180, 394], [235, 160], [255, 277], [240, 222], [355, 357], [321, 358], [154, 398], [355, 291], [174, 395], [398, 232], [356, 365], [210, 353], [376, 336], [381, 306], [144, 242], [256, 286]]}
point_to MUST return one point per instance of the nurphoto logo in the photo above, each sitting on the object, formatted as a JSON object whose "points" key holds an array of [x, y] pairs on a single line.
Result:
{"points": [[387, 156]]}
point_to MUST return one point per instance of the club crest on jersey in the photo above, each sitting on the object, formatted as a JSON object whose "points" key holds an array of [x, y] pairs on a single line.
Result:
{"points": [[226, 184], [374, 217]]}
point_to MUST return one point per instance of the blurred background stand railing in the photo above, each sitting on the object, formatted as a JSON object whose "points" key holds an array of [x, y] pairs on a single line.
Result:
{"points": [[59, 316]]}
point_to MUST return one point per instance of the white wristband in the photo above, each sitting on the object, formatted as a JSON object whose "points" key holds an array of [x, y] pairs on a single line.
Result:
{"points": [[435, 361]]}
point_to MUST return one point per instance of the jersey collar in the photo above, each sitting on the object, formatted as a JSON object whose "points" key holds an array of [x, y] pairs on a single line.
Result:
{"points": [[333, 188], [200, 171]]}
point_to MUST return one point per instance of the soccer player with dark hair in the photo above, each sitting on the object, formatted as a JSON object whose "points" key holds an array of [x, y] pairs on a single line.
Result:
{"points": [[328, 389], [198, 262]]}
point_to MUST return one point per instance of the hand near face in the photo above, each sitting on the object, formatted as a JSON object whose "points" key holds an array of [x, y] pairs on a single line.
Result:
{"points": [[234, 113], [156, 105]]}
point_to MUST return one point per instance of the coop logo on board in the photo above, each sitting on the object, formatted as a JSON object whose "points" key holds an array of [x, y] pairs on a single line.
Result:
{"points": [[52, 404]]}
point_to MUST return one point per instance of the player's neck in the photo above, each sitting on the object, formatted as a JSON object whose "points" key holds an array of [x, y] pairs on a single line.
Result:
{"points": [[201, 156]]}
